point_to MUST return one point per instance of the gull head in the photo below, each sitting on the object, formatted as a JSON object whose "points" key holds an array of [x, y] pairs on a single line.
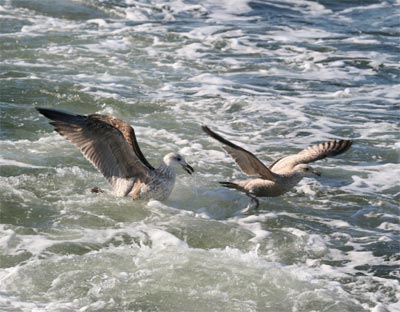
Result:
{"points": [[306, 171], [175, 160]]}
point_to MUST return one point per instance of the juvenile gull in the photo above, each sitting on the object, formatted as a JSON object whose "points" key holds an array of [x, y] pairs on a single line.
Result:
{"points": [[282, 175], [110, 145]]}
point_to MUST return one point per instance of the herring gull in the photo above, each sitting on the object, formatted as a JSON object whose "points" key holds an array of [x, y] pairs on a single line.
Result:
{"points": [[282, 175], [110, 145]]}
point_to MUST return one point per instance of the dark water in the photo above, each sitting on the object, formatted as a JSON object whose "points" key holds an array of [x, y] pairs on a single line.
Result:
{"points": [[273, 76]]}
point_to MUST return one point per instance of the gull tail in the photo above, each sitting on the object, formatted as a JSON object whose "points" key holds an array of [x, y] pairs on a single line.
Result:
{"points": [[254, 203], [233, 186]]}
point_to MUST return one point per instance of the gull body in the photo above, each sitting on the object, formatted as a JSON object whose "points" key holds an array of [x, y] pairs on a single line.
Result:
{"points": [[110, 145], [282, 175]]}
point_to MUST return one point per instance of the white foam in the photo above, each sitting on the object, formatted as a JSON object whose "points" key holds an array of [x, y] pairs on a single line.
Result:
{"points": [[98, 21], [163, 239], [379, 179], [226, 10], [9, 162], [361, 40], [387, 226], [13, 244], [191, 51], [137, 14], [339, 223], [365, 7]]}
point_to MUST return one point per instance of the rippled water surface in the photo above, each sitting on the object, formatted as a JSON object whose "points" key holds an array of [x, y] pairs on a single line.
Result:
{"points": [[272, 76]]}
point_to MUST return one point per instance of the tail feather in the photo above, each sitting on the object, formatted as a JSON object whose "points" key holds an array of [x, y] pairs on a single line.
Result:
{"points": [[233, 186]]}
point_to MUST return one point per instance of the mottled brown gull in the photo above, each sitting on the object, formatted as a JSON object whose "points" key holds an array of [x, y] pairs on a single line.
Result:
{"points": [[282, 175], [110, 145]]}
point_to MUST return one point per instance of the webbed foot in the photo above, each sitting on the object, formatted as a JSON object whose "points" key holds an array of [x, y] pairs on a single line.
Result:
{"points": [[253, 205], [96, 189]]}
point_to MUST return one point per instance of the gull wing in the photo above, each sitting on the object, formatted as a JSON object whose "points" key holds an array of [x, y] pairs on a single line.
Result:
{"points": [[103, 145], [312, 153], [128, 132], [246, 161]]}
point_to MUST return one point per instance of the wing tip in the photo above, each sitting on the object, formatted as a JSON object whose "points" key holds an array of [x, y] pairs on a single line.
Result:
{"points": [[343, 145], [58, 116], [337, 147], [219, 138], [43, 110], [207, 130]]}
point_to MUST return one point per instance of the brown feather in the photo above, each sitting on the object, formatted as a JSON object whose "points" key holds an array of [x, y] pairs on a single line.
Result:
{"points": [[103, 144], [246, 161], [311, 154]]}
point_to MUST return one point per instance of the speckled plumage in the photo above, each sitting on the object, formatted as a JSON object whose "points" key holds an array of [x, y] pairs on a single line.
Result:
{"points": [[110, 145], [159, 185], [283, 174]]}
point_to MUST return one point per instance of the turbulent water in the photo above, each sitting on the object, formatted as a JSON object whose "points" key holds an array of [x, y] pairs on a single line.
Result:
{"points": [[273, 76]]}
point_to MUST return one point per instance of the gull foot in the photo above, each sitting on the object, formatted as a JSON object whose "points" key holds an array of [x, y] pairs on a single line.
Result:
{"points": [[96, 189], [253, 205]]}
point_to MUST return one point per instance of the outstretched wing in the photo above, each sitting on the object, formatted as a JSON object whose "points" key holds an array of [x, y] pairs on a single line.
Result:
{"points": [[312, 153], [103, 145], [246, 161], [128, 132]]}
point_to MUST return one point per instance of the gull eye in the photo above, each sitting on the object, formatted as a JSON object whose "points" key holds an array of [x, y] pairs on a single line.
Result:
{"points": [[178, 158], [306, 169]]}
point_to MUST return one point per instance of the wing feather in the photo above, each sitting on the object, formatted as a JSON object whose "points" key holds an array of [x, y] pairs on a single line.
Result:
{"points": [[246, 161], [103, 144], [311, 154], [128, 132]]}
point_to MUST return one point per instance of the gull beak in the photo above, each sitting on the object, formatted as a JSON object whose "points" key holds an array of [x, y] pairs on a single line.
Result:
{"points": [[188, 168], [317, 173]]}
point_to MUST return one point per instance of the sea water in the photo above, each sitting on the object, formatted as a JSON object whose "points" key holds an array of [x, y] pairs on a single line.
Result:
{"points": [[273, 77]]}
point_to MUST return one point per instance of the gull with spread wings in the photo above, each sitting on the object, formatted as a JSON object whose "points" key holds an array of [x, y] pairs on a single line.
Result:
{"points": [[110, 145], [282, 175]]}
